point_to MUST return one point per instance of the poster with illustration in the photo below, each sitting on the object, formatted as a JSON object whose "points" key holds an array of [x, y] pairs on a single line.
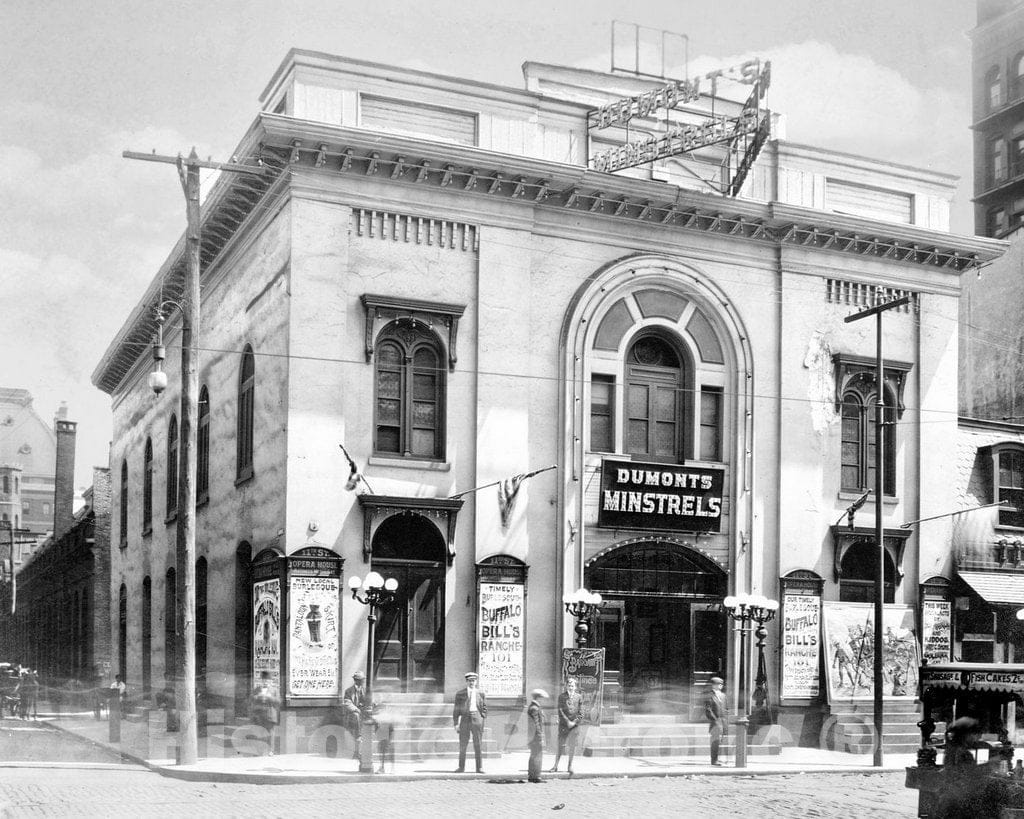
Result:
{"points": [[313, 636], [587, 666], [266, 630], [850, 651]]}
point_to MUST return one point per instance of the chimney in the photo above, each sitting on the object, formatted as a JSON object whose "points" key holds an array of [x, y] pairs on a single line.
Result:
{"points": [[64, 477]]}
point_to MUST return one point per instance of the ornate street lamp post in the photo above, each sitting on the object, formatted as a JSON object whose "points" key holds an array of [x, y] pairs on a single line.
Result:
{"points": [[377, 594], [745, 609], [582, 605]]}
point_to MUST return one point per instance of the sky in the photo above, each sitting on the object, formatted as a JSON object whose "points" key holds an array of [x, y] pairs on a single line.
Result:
{"points": [[83, 231]]}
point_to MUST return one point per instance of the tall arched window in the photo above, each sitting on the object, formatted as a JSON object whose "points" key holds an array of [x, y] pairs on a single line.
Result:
{"points": [[1018, 76], [246, 395], [410, 383], [202, 621], [123, 517], [170, 653], [147, 488], [655, 383], [172, 466], [994, 88], [858, 439], [147, 635], [122, 631], [1008, 471], [203, 448]]}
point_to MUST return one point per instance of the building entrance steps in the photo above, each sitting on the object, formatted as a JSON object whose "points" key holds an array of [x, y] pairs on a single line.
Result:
{"points": [[664, 735], [850, 726]]}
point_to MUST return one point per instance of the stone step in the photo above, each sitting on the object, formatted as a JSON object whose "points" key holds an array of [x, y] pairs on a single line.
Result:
{"points": [[668, 749]]}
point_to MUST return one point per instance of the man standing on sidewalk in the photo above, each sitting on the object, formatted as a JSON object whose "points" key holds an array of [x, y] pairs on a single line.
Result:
{"points": [[714, 710], [536, 724], [469, 714]]}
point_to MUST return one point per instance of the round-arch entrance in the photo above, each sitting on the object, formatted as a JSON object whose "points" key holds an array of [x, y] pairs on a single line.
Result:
{"points": [[662, 626], [409, 649]]}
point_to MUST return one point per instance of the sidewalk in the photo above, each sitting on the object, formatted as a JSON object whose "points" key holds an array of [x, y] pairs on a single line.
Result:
{"points": [[142, 742]]}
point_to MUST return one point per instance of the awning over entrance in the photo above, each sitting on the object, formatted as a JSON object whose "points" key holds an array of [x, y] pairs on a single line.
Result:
{"points": [[997, 588]]}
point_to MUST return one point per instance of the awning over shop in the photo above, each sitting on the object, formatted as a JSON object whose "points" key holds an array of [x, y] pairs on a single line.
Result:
{"points": [[997, 588]]}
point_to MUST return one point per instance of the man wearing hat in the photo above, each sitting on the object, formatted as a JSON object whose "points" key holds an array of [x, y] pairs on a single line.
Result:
{"points": [[536, 725], [469, 714], [714, 710], [353, 703]]}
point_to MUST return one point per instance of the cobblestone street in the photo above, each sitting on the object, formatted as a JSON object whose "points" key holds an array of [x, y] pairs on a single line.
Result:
{"points": [[128, 792]]}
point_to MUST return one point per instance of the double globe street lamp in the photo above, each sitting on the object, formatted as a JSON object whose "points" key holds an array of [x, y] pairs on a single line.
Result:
{"points": [[582, 605], [377, 594], [746, 609]]}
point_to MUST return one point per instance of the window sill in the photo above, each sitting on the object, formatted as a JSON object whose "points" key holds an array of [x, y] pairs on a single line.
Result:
{"points": [[409, 463], [202, 501], [245, 477], [147, 531], [1010, 529], [848, 495], [173, 516], [123, 545]]}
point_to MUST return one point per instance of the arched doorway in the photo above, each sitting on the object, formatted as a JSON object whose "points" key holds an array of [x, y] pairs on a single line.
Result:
{"points": [[662, 627], [409, 651]]}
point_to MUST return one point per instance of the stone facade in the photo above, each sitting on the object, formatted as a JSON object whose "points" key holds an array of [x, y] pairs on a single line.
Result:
{"points": [[534, 279]]}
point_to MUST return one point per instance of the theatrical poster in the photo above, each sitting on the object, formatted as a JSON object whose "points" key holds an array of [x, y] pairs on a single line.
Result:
{"points": [[266, 631], [936, 645], [313, 636], [801, 645], [587, 666], [849, 651], [500, 639]]}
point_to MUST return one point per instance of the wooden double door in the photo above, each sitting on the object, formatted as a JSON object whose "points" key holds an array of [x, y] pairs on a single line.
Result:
{"points": [[662, 650], [409, 639]]}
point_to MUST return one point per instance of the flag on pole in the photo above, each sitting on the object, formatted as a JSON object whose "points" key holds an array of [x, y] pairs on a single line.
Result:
{"points": [[852, 510], [354, 475], [507, 491]]}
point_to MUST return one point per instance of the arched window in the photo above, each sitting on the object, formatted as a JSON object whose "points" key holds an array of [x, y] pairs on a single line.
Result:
{"points": [[172, 466], [859, 568], [147, 635], [170, 653], [858, 439], [122, 631], [1008, 484], [994, 88], [123, 534], [147, 488], [246, 395], [410, 383], [203, 448], [655, 405], [202, 621], [7, 484], [997, 161]]}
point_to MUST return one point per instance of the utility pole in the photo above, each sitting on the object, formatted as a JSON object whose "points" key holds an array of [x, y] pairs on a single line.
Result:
{"points": [[185, 542], [877, 311]]}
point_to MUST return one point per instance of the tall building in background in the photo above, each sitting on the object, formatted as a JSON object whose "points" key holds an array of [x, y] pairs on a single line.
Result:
{"points": [[997, 69], [28, 457]]}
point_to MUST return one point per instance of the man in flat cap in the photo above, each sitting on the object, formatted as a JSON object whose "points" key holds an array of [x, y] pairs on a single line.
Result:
{"points": [[714, 710], [353, 703], [469, 714]]}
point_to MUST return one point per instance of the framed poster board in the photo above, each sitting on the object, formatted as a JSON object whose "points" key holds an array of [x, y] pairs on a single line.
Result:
{"points": [[500, 632], [266, 630], [587, 666], [936, 637], [849, 651], [801, 646], [313, 636]]}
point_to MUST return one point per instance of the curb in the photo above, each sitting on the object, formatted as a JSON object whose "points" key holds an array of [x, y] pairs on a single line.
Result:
{"points": [[344, 777]]}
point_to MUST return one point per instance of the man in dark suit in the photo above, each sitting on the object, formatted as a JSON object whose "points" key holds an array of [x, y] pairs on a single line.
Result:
{"points": [[714, 710], [469, 714], [353, 702]]}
